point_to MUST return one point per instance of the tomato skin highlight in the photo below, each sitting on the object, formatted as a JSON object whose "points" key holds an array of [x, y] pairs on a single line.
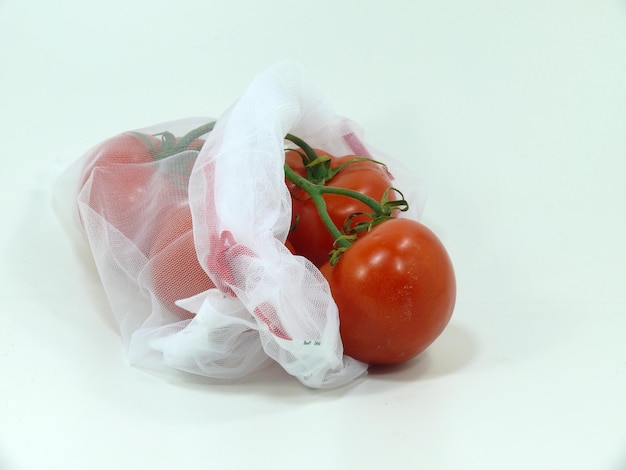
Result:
{"points": [[309, 236], [395, 290]]}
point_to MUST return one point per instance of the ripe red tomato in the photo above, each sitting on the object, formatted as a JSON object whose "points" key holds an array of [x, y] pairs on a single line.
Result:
{"points": [[124, 174], [174, 267], [175, 271], [128, 147], [119, 170], [395, 290], [310, 237]]}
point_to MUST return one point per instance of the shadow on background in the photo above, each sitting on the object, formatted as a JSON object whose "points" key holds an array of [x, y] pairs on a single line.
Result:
{"points": [[451, 352]]}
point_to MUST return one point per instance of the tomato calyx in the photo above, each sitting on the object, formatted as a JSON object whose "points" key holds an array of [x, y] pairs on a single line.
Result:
{"points": [[388, 208], [318, 166]]}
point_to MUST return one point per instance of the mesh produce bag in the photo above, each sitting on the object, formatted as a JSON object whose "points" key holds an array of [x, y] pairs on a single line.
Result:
{"points": [[190, 244]]}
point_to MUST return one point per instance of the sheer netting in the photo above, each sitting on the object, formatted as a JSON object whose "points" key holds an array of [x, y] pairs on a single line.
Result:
{"points": [[190, 247]]}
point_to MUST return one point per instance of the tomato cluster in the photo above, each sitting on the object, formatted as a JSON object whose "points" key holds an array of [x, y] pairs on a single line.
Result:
{"points": [[309, 235], [391, 277], [123, 178]]}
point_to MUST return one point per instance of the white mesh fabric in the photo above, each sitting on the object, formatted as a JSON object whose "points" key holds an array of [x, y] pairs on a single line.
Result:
{"points": [[225, 222], [242, 213]]}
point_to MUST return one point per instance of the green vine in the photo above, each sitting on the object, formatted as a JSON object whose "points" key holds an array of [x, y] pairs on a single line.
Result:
{"points": [[344, 238]]}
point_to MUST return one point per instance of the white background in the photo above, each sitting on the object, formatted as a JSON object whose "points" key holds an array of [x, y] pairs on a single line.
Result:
{"points": [[512, 112]]}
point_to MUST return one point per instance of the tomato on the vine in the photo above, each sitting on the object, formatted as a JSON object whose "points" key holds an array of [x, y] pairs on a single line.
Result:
{"points": [[395, 290], [128, 147], [122, 171], [309, 235]]}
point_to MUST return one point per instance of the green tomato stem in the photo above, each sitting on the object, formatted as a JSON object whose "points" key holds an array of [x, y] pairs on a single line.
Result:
{"points": [[308, 150], [186, 140], [368, 201], [316, 191], [311, 187], [317, 168]]}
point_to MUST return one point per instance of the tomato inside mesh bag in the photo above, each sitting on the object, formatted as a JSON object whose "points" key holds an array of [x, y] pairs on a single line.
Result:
{"points": [[188, 237]]}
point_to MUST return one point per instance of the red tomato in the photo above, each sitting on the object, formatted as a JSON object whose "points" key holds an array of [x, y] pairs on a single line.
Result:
{"points": [[180, 172], [130, 148], [119, 170], [174, 267], [310, 237], [395, 290], [124, 177]]}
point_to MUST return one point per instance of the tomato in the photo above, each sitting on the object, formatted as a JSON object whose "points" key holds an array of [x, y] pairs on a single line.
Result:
{"points": [[119, 171], [124, 176], [395, 290], [309, 235], [173, 263], [179, 173], [175, 271], [128, 147]]}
